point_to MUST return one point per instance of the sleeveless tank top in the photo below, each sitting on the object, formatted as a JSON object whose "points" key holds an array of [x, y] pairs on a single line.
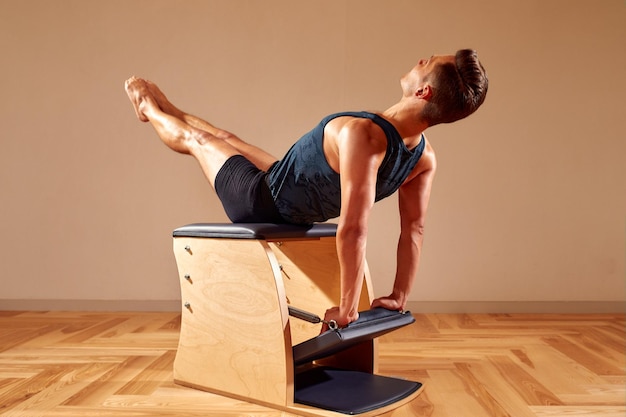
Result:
{"points": [[307, 190]]}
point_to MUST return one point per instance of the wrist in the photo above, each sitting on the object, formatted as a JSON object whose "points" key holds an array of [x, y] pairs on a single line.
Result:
{"points": [[400, 297], [348, 313]]}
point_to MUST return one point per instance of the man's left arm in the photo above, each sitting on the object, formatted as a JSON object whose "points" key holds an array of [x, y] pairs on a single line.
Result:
{"points": [[413, 199]]}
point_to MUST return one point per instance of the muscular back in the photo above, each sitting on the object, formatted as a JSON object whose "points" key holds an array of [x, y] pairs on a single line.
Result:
{"points": [[364, 148]]}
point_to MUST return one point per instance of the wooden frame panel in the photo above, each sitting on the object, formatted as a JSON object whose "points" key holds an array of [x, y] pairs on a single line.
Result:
{"points": [[232, 319]]}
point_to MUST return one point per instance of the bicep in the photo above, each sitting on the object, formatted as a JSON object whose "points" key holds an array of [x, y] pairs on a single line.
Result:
{"points": [[414, 196], [360, 156]]}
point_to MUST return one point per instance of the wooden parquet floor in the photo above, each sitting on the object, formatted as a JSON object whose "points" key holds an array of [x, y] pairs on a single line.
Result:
{"points": [[62, 364]]}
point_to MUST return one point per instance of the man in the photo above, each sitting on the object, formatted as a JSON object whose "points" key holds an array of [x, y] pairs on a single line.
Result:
{"points": [[339, 169]]}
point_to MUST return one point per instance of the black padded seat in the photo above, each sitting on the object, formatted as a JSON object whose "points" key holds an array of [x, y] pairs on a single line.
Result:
{"points": [[265, 231]]}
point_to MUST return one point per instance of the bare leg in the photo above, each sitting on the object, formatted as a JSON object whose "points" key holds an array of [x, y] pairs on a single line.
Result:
{"points": [[210, 151], [257, 156]]}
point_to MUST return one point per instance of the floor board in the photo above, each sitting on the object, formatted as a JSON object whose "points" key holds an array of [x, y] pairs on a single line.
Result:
{"points": [[62, 364]]}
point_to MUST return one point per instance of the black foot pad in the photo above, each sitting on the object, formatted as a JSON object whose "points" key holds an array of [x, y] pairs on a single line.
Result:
{"points": [[350, 392]]}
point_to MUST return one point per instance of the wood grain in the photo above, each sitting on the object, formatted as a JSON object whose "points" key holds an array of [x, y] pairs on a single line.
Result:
{"points": [[62, 364], [233, 316]]}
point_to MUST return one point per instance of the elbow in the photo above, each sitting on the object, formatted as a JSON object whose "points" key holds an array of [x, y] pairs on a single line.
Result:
{"points": [[352, 232], [414, 231]]}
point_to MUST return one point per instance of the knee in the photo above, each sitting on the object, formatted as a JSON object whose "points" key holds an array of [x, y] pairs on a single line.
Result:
{"points": [[226, 136], [204, 138]]}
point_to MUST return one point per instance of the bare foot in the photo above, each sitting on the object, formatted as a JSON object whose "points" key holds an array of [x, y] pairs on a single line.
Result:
{"points": [[137, 90], [162, 101]]}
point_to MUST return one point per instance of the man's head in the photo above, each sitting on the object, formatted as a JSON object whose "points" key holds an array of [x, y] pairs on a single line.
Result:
{"points": [[453, 86]]}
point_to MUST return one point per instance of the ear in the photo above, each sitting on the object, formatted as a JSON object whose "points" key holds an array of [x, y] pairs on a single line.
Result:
{"points": [[424, 92]]}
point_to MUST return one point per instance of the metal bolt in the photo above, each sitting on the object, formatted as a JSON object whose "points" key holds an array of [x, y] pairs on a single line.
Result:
{"points": [[187, 305], [188, 277], [188, 248]]}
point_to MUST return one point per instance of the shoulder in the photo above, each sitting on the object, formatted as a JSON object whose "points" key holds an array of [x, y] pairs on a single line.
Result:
{"points": [[426, 166], [348, 139], [356, 131], [428, 158]]}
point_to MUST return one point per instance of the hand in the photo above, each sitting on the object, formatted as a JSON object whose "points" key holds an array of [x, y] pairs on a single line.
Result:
{"points": [[341, 320], [389, 302]]}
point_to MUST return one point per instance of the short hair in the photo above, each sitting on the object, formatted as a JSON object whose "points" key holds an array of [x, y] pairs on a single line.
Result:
{"points": [[458, 89]]}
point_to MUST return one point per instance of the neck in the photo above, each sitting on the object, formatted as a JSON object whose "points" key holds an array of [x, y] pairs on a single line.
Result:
{"points": [[406, 117]]}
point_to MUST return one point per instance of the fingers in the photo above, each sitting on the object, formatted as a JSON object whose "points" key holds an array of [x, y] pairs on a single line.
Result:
{"points": [[376, 303], [387, 302]]}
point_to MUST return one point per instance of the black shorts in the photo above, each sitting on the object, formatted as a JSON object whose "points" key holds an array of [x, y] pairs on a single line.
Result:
{"points": [[244, 193]]}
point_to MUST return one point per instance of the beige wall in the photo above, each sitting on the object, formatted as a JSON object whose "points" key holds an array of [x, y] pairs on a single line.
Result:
{"points": [[529, 204]]}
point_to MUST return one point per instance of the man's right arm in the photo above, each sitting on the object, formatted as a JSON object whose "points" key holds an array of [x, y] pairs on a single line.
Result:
{"points": [[361, 150]]}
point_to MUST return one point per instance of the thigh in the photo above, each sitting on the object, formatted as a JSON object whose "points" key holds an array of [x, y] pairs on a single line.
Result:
{"points": [[244, 193], [260, 158]]}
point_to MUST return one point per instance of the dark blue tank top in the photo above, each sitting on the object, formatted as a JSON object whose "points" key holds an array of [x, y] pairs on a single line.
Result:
{"points": [[307, 190]]}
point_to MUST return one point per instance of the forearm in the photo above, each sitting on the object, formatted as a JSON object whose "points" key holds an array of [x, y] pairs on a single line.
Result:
{"points": [[351, 247], [408, 257]]}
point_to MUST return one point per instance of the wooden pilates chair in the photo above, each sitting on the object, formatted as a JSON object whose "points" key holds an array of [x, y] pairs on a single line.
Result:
{"points": [[239, 283]]}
